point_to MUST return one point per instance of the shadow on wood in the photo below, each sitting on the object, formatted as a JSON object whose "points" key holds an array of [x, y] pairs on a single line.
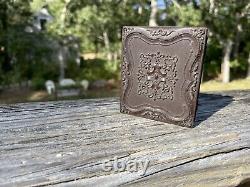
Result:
{"points": [[65, 143], [210, 104], [244, 183]]}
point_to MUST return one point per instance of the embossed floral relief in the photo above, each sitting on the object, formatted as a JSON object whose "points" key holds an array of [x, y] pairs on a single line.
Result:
{"points": [[160, 32], [160, 84], [157, 76]]}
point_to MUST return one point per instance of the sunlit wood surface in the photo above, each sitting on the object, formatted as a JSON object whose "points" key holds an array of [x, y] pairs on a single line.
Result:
{"points": [[64, 143]]}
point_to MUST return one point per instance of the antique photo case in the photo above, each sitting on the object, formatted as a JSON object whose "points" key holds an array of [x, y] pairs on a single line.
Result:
{"points": [[161, 72]]}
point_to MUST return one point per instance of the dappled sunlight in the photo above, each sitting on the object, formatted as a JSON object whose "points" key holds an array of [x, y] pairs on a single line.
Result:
{"points": [[36, 96]]}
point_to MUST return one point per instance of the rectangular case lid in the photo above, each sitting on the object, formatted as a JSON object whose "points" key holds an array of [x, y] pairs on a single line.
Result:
{"points": [[161, 72]]}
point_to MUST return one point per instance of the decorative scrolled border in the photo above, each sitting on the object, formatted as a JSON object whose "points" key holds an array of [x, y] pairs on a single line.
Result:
{"points": [[190, 91]]}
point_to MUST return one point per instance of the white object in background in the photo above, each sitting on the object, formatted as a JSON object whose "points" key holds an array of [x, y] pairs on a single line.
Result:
{"points": [[50, 87], [67, 82], [85, 84]]}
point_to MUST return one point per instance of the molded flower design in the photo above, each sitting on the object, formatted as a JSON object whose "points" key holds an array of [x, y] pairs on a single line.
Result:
{"points": [[157, 76]]}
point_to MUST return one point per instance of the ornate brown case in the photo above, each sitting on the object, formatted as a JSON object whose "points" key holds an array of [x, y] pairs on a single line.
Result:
{"points": [[161, 72]]}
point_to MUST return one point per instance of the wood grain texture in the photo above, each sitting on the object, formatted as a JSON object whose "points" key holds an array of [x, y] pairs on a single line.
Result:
{"points": [[64, 143]]}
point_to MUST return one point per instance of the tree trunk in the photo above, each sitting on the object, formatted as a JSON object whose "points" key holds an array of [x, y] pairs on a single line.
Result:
{"points": [[153, 13], [61, 56], [237, 37], [225, 66], [211, 6], [61, 63], [248, 71], [107, 45], [237, 41]]}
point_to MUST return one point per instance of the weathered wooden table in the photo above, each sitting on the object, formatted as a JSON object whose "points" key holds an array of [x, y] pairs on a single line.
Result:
{"points": [[67, 143]]}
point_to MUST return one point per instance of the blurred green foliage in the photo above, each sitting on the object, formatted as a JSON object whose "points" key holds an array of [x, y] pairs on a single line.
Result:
{"points": [[96, 27], [98, 69]]}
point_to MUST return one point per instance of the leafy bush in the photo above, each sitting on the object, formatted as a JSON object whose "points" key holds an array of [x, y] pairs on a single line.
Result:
{"points": [[38, 83], [95, 69], [213, 59], [239, 67]]}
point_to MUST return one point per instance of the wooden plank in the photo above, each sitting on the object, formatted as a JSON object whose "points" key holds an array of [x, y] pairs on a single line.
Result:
{"points": [[65, 143]]}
